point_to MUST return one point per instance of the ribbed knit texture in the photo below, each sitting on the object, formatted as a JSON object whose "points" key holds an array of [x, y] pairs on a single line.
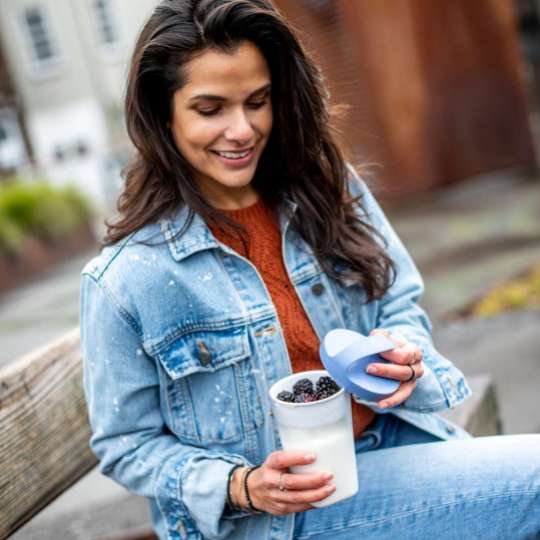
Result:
{"points": [[264, 252]]}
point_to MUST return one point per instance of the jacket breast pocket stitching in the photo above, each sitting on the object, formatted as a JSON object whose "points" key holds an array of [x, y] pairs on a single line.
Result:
{"points": [[211, 398]]}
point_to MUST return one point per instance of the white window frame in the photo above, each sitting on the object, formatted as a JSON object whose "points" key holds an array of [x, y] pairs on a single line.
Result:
{"points": [[110, 49], [40, 67]]}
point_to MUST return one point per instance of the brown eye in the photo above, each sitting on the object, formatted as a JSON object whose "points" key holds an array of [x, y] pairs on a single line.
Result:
{"points": [[260, 103], [257, 105], [208, 112]]}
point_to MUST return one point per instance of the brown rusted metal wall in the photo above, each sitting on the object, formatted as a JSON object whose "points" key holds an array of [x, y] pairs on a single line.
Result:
{"points": [[435, 88]]}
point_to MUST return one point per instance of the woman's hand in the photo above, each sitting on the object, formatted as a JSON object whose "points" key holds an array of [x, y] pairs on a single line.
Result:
{"points": [[298, 490], [405, 358]]}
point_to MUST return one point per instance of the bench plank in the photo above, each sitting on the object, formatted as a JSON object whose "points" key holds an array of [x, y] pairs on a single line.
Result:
{"points": [[44, 430]]}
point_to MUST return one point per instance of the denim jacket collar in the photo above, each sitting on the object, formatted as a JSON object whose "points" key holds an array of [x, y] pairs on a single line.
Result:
{"points": [[198, 237]]}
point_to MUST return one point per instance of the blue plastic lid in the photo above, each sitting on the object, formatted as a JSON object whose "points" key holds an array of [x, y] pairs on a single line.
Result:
{"points": [[346, 354]]}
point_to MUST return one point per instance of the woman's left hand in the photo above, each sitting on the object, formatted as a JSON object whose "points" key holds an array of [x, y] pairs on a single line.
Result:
{"points": [[406, 358]]}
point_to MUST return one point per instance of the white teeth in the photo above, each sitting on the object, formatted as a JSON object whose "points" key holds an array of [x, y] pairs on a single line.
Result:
{"points": [[233, 155]]}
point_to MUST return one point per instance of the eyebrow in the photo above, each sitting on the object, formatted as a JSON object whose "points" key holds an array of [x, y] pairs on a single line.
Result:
{"points": [[220, 98]]}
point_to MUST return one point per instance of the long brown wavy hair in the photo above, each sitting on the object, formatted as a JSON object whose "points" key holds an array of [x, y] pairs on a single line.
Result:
{"points": [[301, 160]]}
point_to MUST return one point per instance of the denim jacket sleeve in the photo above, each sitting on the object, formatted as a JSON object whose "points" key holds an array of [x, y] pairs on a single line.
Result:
{"points": [[443, 385], [129, 436]]}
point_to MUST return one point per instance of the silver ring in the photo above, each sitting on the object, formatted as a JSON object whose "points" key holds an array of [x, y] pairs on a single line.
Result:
{"points": [[413, 373], [280, 483]]}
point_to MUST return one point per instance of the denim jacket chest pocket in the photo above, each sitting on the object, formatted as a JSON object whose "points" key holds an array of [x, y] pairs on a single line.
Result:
{"points": [[209, 387]]}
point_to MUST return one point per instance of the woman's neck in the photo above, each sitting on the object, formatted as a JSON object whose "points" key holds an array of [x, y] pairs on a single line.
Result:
{"points": [[233, 198]]}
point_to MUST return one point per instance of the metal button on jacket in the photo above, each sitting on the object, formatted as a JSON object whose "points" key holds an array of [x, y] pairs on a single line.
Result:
{"points": [[205, 356], [317, 289], [450, 429]]}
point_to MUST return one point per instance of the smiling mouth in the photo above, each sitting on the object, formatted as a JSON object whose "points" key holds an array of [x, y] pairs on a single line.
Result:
{"points": [[237, 154]]}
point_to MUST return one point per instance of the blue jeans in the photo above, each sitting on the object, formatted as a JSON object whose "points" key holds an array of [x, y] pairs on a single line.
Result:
{"points": [[414, 486]]}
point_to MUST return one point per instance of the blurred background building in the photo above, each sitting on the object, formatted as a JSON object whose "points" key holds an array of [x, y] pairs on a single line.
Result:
{"points": [[63, 66], [14, 148]]}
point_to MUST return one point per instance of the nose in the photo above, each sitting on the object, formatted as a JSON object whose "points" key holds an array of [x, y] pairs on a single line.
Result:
{"points": [[239, 128]]}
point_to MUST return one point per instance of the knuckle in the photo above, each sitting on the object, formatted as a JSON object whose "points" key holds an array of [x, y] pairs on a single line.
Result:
{"points": [[281, 508], [294, 498], [265, 478], [271, 460], [402, 358]]}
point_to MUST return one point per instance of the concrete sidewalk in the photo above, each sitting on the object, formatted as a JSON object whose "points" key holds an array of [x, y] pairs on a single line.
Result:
{"points": [[471, 237]]}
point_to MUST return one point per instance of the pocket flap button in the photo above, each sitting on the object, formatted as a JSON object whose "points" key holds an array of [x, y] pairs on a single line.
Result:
{"points": [[205, 356], [317, 289]]}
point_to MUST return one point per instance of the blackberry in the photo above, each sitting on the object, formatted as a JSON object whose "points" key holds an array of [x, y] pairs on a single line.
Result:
{"points": [[303, 386], [323, 394], [304, 397], [286, 396], [327, 385]]}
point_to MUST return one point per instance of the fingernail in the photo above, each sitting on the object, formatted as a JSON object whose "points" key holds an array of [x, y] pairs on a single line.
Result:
{"points": [[372, 369], [328, 476], [330, 488], [309, 457]]}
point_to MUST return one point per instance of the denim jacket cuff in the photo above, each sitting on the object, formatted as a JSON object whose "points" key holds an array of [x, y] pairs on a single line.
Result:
{"points": [[201, 484], [168, 498], [441, 387], [235, 513], [438, 389]]}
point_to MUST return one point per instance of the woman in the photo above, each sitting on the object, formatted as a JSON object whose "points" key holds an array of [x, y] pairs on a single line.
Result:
{"points": [[243, 238]]}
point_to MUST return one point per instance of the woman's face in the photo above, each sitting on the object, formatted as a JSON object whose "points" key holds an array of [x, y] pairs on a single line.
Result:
{"points": [[221, 122]]}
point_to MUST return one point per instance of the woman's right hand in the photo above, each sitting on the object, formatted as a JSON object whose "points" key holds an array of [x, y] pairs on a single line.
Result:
{"points": [[300, 489]]}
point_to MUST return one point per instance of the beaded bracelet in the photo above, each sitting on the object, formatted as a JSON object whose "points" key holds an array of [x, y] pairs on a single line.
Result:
{"points": [[229, 478], [251, 507]]}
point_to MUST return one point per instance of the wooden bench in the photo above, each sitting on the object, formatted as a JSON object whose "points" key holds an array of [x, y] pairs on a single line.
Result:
{"points": [[45, 432]]}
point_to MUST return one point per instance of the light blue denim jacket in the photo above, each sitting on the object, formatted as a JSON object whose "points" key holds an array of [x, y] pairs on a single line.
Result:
{"points": [[180, 344]]}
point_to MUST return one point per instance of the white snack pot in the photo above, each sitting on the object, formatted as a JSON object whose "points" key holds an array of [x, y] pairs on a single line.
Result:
{"points": [[323, 427]]}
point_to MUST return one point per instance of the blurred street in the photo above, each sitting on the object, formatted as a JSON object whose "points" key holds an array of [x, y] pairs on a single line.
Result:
{"points": [[467, 238], [39, 312]]}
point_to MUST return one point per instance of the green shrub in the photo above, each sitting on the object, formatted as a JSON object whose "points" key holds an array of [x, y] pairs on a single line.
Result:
{"points": [[39, 209], [79, 202], [18, 202], [54, 217], [11, 236]]}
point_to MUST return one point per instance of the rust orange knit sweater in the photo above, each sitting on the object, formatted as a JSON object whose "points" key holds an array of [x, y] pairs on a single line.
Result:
{"points": [[264, 251]]}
